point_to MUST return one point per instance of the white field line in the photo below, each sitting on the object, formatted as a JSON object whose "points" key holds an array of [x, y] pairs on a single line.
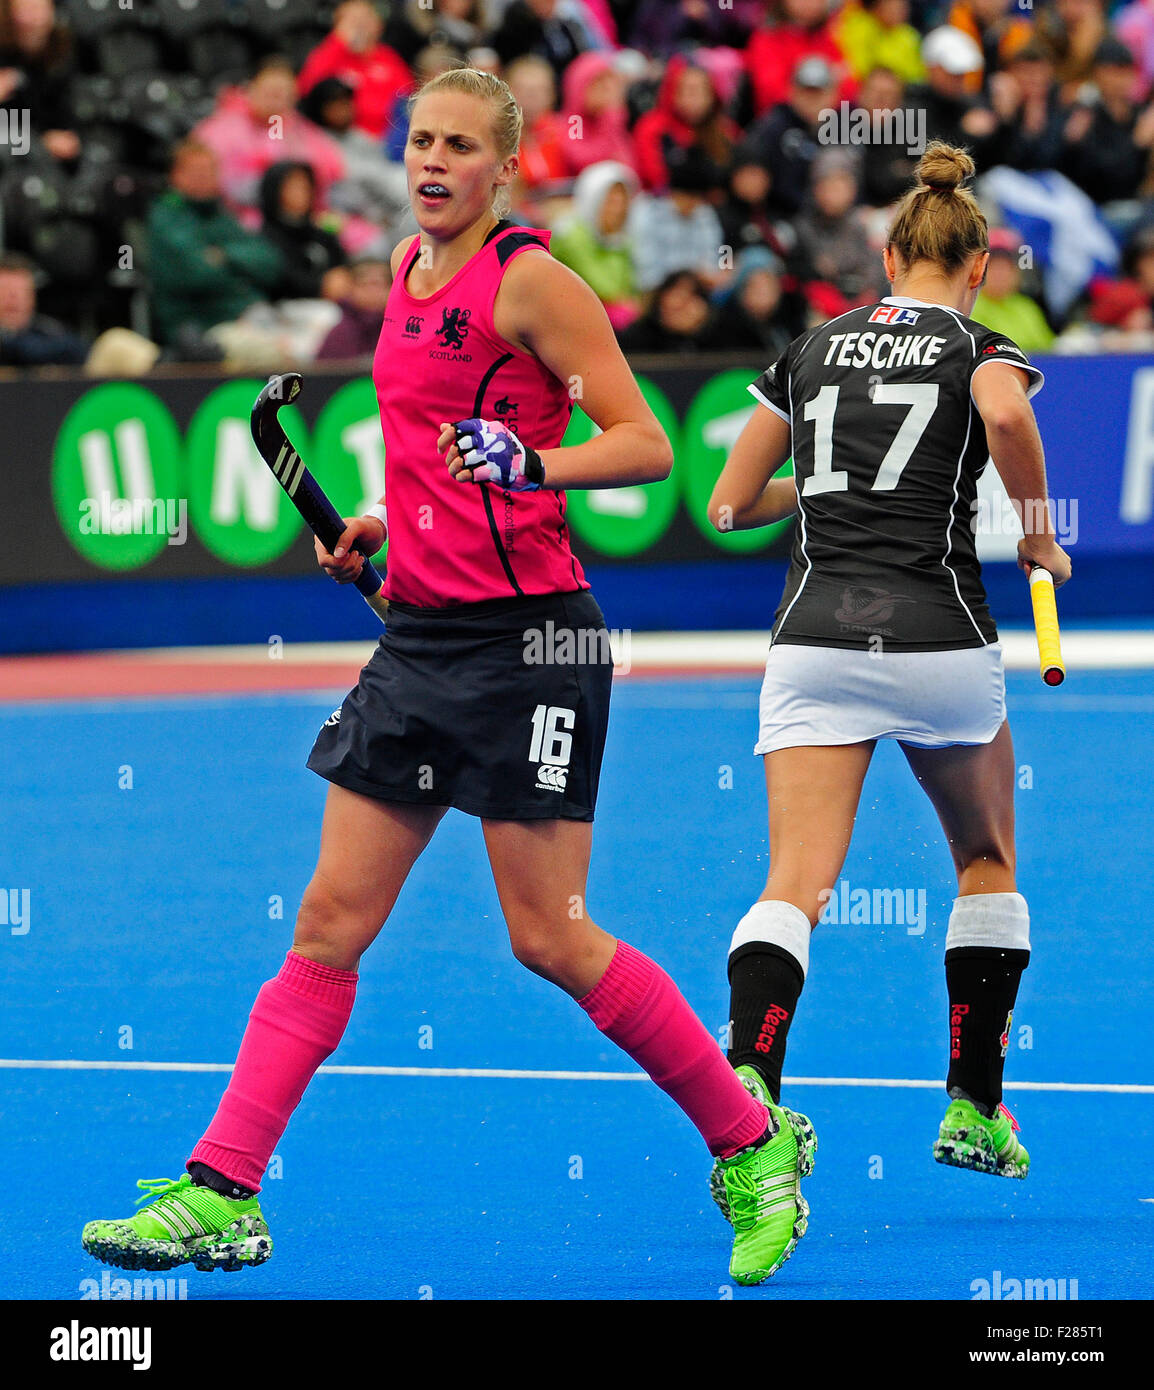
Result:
{"points": [[1083, 649], [511, 1074]]}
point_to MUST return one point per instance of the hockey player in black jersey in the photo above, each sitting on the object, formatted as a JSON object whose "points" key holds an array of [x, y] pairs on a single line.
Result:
{"points": [[891, 412]]}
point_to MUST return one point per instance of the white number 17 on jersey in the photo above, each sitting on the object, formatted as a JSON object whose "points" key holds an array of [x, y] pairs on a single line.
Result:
{"points": [[922, 399]]}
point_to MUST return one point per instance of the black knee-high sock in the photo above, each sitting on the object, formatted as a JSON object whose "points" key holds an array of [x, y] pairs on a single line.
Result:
{"points": [[983, 985], [765, 984]]}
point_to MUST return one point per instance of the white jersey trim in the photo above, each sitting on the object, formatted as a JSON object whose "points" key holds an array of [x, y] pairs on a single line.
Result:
{"points": [[777, 410], [1037, 379]]}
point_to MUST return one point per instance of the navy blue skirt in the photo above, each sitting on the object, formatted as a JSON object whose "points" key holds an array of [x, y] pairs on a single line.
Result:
{"points": [[498, 708]]}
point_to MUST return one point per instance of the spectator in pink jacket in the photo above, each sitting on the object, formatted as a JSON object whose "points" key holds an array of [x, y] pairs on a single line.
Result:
{"points": [[688, 114], [594, 115], [258, 125]]}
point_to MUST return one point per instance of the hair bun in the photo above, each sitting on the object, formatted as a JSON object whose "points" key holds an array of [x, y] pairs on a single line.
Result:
{"points": [[943, 167]]}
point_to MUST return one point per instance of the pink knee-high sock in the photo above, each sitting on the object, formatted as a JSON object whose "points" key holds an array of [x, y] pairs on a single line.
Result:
{"points": [[296, 1022], [637, 1006]]}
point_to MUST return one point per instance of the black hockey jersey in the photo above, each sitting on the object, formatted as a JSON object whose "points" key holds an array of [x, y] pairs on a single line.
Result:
{"points": [[888, 447]]}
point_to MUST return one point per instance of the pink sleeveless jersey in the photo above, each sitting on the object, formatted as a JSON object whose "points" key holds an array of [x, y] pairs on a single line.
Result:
{"points": [[438, 359]]}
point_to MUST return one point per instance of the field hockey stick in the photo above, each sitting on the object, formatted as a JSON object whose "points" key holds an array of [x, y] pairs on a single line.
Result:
{"points": [[1046, 625], [305, 493]]}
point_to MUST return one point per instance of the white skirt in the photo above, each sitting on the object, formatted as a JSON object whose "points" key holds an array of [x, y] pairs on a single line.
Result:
{"points": [[816, 696]]}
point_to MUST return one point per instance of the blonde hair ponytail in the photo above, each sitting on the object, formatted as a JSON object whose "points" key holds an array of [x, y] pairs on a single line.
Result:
{"points": [[939, 219]]}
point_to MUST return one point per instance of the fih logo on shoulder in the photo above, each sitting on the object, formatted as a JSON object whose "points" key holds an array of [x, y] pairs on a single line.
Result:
{"points": [[894, 313], [76, 1343]]}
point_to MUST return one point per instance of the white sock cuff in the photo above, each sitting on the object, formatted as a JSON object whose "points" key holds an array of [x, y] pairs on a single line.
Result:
{"points": [[779, 924], [999, 920]]}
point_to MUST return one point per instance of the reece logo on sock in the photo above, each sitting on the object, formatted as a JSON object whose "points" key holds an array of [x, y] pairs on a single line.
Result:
{"points": [[957, 1012], [775, 1016]]}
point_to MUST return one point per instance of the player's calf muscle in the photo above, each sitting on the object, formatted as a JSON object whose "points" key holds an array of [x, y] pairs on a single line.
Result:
{"points": [[573, 957]]}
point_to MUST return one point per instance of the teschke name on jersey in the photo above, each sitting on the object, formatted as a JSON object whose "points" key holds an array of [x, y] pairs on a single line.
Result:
{"points": [[879, 350]]}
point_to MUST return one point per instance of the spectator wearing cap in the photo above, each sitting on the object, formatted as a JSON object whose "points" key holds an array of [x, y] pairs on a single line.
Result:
{"points": [[27, 338], [537, 26], [795, 30], [688, 115], [878, 33], [1026, 100], [594, 114], [833, 242], [1107, 139], [1002, 306], [353, 51], [785, 139], [996, 26], [951, 112], [1120, 305], [758, 314], [593, 240], [1116, 317], [1134, 25], [679, 230], [1072, 31]]}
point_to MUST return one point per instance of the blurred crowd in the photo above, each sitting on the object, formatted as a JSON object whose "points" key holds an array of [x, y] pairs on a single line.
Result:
{"points": [[221, 181]]}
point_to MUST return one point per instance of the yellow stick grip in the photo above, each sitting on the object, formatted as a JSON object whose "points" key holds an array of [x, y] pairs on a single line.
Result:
{"points": [[379, 604], [1046, 626]]}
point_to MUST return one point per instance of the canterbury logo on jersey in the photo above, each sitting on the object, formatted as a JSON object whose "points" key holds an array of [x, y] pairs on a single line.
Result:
{"points": [[552, 778]]}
